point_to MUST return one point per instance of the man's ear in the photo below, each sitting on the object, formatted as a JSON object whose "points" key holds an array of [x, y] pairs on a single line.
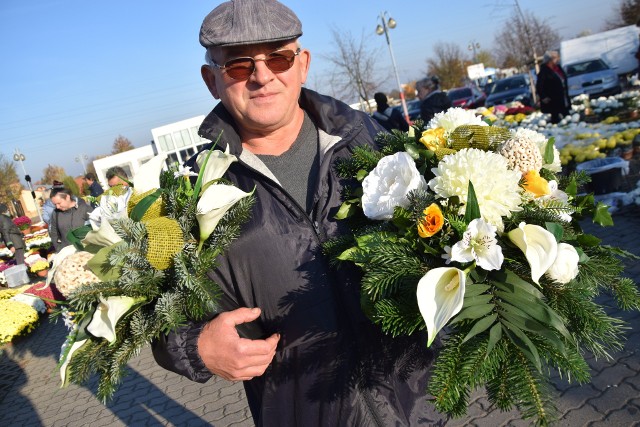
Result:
{"points": [[209, 78], [305, 60]]}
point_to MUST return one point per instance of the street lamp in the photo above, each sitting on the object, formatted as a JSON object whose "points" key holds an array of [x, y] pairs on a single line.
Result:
{"points": [[473, 45], [380, 30], [19, 157], [81, 158]]}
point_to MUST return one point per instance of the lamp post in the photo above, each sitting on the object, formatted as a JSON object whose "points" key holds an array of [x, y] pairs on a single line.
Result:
{"points": [[19, 157], [81, 158], [383, 29], [473, 45]]}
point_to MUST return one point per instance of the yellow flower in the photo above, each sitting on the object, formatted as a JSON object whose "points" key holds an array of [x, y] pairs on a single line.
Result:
{"points": [[433, 139], [536, 184], [431, 222]]}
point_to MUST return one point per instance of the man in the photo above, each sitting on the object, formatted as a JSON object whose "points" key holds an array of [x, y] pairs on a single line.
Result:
{"points": [[117, 175], [95, 189], [432, 99], [291, 327], [552, 87], [71, 212], [388, 117], [11, 235]]}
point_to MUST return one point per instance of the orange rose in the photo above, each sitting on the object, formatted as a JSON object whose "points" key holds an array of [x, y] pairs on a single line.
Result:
{"points": [[536, 184], [432, 221]]}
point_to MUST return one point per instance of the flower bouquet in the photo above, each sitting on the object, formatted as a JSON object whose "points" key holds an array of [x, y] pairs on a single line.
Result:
{"points": [[468, 231], [137, 274], [23, 222]]}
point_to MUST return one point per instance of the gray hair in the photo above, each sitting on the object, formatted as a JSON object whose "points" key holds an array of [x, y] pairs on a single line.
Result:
{"points": [[549, 55]]}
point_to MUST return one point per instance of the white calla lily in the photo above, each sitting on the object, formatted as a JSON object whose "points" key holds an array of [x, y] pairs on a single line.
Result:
{"points": [[63, 368], [148, 175], [107, 314], [479, 244], [565, 267], [538, 245], [214, 203], [440, 296], [217, 164], [104, 236]]}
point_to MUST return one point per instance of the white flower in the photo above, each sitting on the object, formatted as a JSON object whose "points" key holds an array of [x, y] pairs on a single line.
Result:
{"points": [[107, 314], [556, 195], [388, 185], [111, 208], [495, 185], [541, 141], [479, 244], [454, 117], [538, 245], [57, 260], [63, 368], [184, 171], [565, 267], [214, 203], [217, 164], [148, 175], [440, 296], [104, 236]]}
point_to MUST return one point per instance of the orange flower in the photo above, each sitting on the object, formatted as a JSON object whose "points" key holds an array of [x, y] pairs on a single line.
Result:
{"points": [[536, 184], [432, 221], [433, 139]]}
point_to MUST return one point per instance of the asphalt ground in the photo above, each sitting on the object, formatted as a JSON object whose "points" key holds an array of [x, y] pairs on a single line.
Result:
{"points": [[152, 396]]}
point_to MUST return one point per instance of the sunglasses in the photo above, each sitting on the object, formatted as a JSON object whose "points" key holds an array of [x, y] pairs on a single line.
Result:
{"points": [[242, 68]]}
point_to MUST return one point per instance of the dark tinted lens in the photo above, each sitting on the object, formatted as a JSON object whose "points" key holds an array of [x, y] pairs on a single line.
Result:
{"points": [[240, 68], [280, 61]]}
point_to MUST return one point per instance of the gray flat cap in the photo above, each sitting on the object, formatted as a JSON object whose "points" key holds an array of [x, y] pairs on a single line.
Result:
{"points": [[241, 22]]}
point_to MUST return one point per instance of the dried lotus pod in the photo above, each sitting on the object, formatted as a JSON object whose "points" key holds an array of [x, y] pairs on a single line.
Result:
{"points": [[165, 239]]}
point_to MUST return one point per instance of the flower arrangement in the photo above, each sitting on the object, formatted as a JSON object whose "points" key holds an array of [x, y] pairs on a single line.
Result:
{"points": [[23, 222], [18, 317], [40, 265], [141, 272], [467, 232]]}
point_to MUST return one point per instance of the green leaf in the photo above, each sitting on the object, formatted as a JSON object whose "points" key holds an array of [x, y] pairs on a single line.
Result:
{"points": [[495, 334], [572, 188], [472, 300], [475, 290], [100, 266], [76, 235], [143, 205], [413, 150], [588, 240], [480, 326], [361, 175], [519, 318], [348, 255], [197, 187], [555, 229], [523, 342], [473, 313], [602, 216], [346, 210], [548, 151], [472, 209]]}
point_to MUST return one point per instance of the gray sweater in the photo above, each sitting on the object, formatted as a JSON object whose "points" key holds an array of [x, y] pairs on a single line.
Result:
{"points": [[64, 221]]}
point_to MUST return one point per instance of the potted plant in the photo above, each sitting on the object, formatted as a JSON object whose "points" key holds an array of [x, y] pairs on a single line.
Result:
{"points": [[23, 223], [40, 267]]}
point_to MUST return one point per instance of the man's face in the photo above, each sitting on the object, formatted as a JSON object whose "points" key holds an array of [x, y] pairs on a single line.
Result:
{"points": [[115, 180], [423, 92], [62, 203], [266, 101]]}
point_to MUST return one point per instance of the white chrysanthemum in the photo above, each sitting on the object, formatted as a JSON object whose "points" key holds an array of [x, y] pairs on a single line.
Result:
{"points": [[541, 141], [496, 186], [454, 117]]}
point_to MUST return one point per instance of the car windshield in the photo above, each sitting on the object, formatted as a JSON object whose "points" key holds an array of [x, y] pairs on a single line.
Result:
{"points": [[586, 67], [509, 84], [455, 94]]}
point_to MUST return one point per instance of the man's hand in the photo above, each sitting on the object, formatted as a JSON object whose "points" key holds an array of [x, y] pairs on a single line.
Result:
{"points": [[13, 250], [228, 355]]}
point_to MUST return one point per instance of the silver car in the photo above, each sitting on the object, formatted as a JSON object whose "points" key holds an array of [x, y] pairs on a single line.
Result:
{"points": [[594, 78]]}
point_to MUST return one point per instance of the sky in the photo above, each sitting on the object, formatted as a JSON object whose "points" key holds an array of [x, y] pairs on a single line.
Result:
{"points": [[76, 74]]}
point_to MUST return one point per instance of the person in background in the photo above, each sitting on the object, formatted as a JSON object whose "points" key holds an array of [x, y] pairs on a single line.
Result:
{"points": [[117, 175], [552, 87], [432, 99], [387, 116], [48, 207], [95, 189], [71, 212], [11, 235], [290, 324]]}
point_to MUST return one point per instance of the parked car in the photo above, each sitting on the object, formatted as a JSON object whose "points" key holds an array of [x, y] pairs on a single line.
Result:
{"points": [[515, 88], [593, 77], [413, 106], [466, 97]]}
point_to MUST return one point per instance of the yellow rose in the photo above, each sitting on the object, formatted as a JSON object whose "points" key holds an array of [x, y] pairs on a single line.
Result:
{"points": [[536, 184], [433, 139], [431, 222]]}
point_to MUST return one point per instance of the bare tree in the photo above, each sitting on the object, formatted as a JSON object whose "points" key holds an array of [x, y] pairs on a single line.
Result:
{"points": [[53, 173], [522, 36], [448, 64], [354, 74], [9, 182], [626, 13], [486, 58], [121, 144]]}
